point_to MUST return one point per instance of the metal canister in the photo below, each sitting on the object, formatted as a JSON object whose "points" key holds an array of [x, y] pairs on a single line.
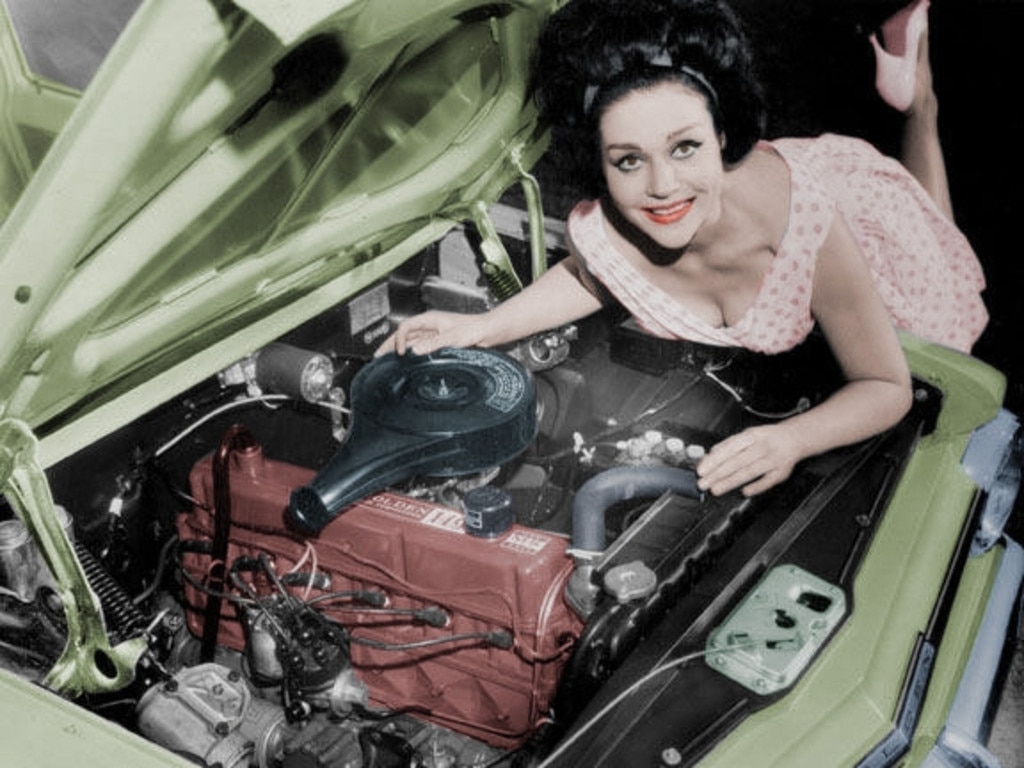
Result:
{"points": [[18, 560], [22, 567]]}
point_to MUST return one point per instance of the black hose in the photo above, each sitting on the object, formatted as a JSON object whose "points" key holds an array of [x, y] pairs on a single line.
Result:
{"points": [[620, 484], [236, 438]]}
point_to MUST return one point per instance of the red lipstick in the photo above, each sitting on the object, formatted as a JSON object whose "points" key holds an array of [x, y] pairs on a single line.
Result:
{"points": [[669, 214]]}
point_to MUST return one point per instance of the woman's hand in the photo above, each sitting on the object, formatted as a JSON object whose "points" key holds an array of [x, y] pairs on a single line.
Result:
{"points": [[876, 395], [754, 460], [428, 332], [556, 298]]}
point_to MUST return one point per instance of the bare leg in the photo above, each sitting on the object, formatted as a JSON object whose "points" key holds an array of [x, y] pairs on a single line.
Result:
{"points": [[922, 151]]}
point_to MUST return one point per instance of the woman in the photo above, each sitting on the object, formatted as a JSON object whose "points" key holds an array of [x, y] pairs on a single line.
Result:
{"points": [[705, 232]]}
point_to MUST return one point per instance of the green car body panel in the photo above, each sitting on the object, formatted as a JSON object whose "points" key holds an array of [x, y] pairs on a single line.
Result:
{"points": [[845, 705], [235, 169]]}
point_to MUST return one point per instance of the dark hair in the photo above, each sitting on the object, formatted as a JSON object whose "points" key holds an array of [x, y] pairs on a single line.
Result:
{"points": [[592, 52]]}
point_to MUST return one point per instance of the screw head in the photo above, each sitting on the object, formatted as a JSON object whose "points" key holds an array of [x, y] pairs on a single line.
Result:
{"points": [[671, 756]]}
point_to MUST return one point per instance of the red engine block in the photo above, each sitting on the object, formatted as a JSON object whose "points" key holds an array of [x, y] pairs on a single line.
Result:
{"points": [[418, 554]]}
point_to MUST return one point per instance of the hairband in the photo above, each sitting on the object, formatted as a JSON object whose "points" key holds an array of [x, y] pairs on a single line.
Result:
{"points": [[662, 61]]}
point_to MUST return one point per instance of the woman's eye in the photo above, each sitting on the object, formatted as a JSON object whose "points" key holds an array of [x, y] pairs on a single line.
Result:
{"points": [[628, 162], [685, 149]]}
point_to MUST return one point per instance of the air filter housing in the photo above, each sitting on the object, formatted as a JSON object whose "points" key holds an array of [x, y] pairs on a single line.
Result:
{"points": [[454, 412]]}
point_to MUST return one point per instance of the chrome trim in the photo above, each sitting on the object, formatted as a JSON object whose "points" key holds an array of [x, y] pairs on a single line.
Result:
{"points": [[993, 460], [962, 741]]}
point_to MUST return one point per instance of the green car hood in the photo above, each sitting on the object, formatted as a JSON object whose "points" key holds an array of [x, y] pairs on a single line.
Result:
{"points": [[236, 168]]}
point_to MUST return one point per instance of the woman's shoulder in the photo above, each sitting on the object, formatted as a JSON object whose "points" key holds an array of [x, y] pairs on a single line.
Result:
{"points": [[764, 166], [584, 225], [584, 210], [827, 149], [586, 235]]}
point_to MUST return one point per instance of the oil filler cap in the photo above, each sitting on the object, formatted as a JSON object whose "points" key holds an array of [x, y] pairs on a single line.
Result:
{"points": [[487, 511], [453, 412]]}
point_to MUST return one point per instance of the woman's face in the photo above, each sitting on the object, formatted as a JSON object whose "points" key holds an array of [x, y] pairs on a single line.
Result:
{"points": [[662, 162]]}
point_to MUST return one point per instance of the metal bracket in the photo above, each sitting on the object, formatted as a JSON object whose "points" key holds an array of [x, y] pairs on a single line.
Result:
{"points": [[88, 663], [774, 634]]}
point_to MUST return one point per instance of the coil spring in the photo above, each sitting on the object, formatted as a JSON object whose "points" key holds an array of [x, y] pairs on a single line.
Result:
{"points": [[502, 284], [123, 617]]}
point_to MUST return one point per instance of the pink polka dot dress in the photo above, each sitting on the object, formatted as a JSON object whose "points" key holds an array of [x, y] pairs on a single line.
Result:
{"points": [[924, 269]]}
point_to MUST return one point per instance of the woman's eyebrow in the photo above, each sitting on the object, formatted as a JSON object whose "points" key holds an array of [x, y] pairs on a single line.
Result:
{"points": [[623, 146], [674, 136]]}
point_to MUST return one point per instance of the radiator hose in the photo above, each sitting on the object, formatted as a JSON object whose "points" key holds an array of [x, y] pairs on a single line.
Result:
{"points": [[591, 502]]}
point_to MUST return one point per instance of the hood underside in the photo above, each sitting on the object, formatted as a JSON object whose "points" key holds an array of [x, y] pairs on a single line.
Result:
{"points": [[233, 170]]}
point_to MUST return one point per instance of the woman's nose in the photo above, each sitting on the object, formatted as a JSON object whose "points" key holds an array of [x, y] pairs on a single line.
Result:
{"points": [[661, 180]]}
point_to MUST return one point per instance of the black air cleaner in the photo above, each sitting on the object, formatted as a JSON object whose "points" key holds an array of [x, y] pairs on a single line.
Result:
{"points": [[454, 412]]}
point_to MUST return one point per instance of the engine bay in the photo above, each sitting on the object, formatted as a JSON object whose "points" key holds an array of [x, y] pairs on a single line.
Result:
{"points": [[446, 611]]}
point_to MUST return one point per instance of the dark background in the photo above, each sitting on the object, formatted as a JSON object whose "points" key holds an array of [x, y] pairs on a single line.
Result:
{"points": [[818, 68]]}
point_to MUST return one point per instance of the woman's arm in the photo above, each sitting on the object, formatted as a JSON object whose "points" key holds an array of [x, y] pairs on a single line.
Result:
{"points": [[557, 297], [876, 396]]}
